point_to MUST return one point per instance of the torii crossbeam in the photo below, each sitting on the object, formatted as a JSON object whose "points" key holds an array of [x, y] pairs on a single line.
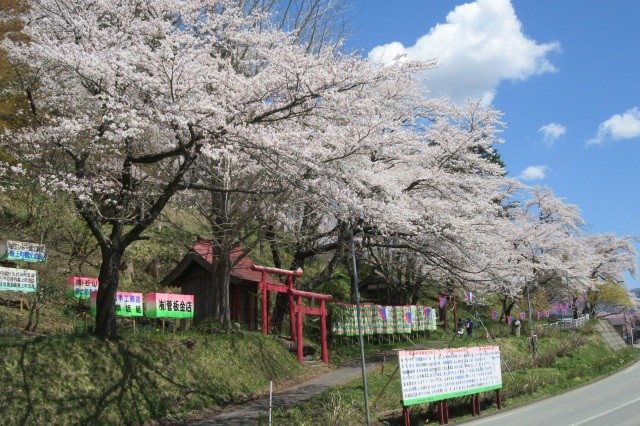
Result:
{"points": [[296, 307]]}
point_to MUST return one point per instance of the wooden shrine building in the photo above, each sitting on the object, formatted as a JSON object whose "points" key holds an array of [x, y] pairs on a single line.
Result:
{"points": [[194, 275]]}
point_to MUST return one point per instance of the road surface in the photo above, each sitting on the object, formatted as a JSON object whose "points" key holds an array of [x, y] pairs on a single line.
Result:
{"points": [[614, 400]]}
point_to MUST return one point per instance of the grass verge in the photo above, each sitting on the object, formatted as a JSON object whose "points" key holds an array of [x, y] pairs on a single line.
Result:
{"points": [[564, 360], [78, 379]]}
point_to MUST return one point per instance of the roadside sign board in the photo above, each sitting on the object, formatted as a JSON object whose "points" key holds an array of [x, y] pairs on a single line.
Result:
{"points": [[434, 375], [21, 280], [18, 250], [167, 305], [81, 287], [127, 304]]}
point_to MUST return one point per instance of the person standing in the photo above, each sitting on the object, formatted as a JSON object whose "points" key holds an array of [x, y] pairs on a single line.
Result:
{"points": [[469, 327]]}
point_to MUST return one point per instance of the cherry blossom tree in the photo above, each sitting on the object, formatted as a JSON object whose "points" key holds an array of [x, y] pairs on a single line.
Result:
{"points": [[134, 93], [611, 257], [545, 251]]}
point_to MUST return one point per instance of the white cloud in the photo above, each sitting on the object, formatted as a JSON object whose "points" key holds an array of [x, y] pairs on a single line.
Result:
{"points": [[619, 126], [534, 173], [480, 45], [552, 132]]}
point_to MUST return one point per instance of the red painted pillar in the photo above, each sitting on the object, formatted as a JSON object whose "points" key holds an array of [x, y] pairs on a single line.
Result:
{"points": [[292, 317], [265, 304], [406, 416], [475, 405], [443, 412], [299, 340], [323, 332]]}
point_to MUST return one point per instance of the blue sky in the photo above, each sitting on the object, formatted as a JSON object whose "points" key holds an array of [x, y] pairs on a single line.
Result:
{"points": [[566, 75]]}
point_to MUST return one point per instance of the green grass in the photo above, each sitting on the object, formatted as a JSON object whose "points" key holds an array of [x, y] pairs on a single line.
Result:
{"points": [[563, 360], [77, 379]]}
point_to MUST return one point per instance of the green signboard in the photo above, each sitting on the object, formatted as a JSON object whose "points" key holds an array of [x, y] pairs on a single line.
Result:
{"points": [[166, 305], [127, 304]]}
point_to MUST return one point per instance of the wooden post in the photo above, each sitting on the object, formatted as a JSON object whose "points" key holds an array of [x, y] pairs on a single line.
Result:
{"points": [[444, 314], [163, 325], [455, 316], [384, 388], [134, 324], [323, 332], [498, 399], [406, 416]]}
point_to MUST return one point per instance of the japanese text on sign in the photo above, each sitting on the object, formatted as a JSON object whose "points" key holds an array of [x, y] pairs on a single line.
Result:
{"points": [[22, 280], [18, 250], [161, 305], [81, 287], [127, 304], [433, 375]]}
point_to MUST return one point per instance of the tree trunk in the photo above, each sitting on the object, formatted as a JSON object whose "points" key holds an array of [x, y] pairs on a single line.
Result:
{"points": [[33, 307], [109, 278], [222, 311], [506, 308], [282, 300]]}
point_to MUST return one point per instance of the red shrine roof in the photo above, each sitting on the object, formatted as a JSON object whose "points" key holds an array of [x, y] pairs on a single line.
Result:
{"points": [[202, 253], [241, 270]]}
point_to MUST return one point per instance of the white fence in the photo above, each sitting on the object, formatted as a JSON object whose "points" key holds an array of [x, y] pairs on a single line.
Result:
{"points": [[570, 323]]}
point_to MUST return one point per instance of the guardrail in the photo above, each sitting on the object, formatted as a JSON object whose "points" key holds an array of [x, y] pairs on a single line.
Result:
{"points": [[570, 323]]}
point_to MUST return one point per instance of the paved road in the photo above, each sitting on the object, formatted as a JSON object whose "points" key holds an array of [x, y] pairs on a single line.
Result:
{"points": [[248, 414], [611, 401]]}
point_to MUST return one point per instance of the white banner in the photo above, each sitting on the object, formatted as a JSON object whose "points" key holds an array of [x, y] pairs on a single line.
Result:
{"points": [[22, 280]]}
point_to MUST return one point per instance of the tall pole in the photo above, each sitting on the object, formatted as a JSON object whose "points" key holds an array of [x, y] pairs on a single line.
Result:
{"points": [[357, 296], [533, 346]]}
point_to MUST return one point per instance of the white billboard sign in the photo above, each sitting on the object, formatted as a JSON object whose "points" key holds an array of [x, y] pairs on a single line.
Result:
{"points": [[22, 280], [434, 375]]}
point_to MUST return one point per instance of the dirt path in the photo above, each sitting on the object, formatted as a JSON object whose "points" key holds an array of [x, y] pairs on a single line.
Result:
{"points": [[250, 412]]}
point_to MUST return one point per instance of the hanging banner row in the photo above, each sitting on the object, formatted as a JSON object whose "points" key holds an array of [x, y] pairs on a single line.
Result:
{"points": [[156, 305], [378, 319]]}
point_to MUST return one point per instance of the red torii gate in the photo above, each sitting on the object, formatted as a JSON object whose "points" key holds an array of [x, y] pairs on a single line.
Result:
{"points": [[296, 308]]}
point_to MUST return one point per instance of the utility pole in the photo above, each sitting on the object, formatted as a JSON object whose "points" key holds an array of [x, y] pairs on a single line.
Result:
{"points": [[531, 338], [359, 317]]}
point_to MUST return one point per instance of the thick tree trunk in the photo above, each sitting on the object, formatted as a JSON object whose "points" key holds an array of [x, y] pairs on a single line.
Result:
{"points": [[282, 300], [222, 311], [109, 278]]}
